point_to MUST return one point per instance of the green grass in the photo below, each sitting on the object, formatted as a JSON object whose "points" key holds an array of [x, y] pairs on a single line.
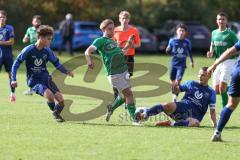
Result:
{"points": [[28, 131]]}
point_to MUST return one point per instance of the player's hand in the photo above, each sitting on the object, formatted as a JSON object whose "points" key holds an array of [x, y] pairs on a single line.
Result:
{"points": [[211, 69], [14, 84], [192, 64], [131, 38], [209, 54], [90, 65], [70, 73]]}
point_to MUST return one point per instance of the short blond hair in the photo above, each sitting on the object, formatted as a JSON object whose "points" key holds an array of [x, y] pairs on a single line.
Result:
{"points": [[105, 23], [125, 13]]}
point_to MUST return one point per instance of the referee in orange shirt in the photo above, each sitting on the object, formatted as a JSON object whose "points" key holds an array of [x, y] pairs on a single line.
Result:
{"points": [[126, 35]]}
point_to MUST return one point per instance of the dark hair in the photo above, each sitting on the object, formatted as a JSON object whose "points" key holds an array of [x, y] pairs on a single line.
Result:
{"points": [[3, 12], [204, 68], [222, 14], [181, 25], [45, 30], [37, 17]]}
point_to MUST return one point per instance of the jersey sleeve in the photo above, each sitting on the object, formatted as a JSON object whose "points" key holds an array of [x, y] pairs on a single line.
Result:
{"points": [[11, 31], [212, 103], [170, 44], [234, 38], [28, 32], [20, 58], [137, 37], [97, 43], [55, 61], [185, 86]]}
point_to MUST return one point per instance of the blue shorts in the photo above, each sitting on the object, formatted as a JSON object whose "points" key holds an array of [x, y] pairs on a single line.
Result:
{"points": [[185, 110], [234, 87], [176, 73], [7, 62], [40, 88]]}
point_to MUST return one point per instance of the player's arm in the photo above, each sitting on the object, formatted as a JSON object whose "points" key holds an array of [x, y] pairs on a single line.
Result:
{"points": [[211, 50], [169, 47], [9, 42], [91, 49], [213, 117], [20, 58], [55, 61], [25, 39], [227, 54], [137, 40]]}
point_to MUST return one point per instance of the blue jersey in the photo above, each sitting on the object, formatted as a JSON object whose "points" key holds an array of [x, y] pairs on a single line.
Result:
{"points": [[198, 97], [180, 49], [36, 64], [237, 46], [6, 33]]}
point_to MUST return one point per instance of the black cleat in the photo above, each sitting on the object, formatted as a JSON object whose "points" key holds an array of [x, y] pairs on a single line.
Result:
{"points": [[58, 117], [109, 112]]}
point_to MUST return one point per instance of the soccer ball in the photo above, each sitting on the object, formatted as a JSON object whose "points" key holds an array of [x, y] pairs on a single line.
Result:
{"points": [[141, 114]]}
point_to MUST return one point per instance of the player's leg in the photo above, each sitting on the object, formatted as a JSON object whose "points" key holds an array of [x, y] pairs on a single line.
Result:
{"points": [[216, 81], [179, 75], [130, 63], [234, 98], [173, 75], [225, 76], [8, 66], [130, 102], [59, 101]]}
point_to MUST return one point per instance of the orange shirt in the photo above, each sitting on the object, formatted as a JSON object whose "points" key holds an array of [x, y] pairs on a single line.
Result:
{"points": [[122, 36]]}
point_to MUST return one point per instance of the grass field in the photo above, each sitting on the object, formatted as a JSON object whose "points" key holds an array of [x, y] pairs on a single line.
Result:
{"points": [[28, 131]]}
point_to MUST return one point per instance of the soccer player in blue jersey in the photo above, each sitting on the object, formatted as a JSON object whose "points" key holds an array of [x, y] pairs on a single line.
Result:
{"points": [[233, 91], [36, 57], [6, 42], [191, 109], [180, 47]]}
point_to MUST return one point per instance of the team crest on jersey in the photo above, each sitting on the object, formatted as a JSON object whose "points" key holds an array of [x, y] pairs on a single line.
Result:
{"points": [[38, 62], [198, 95], [109, 46], [180, 50]]}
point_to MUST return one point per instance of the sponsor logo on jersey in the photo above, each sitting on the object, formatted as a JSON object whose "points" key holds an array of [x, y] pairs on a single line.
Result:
{"points": [[38, 62], [110, 46], [198, 95]]}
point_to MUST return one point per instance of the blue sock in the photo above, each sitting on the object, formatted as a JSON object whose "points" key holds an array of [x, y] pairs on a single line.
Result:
{"points": [[51, 105], [181, 123], [155, 110], [58, 109], [224, 117]]}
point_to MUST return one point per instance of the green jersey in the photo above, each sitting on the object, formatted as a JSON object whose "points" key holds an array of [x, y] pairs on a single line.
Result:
{"points": [[32, 34], [222, 41], [112, 55]]}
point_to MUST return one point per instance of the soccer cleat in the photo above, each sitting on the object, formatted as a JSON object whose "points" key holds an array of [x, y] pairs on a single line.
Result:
{"points": [[163, 123], [28, 92], [58, 117], [136, 123], [109, 112], [12, 98], [140, 114], [216, 137]]}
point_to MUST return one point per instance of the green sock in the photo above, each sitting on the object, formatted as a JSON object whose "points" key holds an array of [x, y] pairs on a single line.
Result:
{"points": [[224, 99], [131, 109], [118, 102]]}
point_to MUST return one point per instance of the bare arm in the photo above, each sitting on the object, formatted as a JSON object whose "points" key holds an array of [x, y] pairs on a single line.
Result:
{"points": [[213, 117], [227, 54], [10, 42], [211, 50], [88, 53], [25, 39]]}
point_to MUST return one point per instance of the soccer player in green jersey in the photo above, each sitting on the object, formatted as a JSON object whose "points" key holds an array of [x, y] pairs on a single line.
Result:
{"points": [[31, 38], [222, 39], [115, 66]]}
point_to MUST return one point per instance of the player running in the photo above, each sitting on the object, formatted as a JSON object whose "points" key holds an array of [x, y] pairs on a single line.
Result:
{"points": [[234, 89], [180, 47], [36, 57], [6, 43], [115, 66], [222, 39], [191, 109]]}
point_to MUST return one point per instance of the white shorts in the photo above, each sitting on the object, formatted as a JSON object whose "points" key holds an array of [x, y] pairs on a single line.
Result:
{"points": [[120, 81], [223, 72]]}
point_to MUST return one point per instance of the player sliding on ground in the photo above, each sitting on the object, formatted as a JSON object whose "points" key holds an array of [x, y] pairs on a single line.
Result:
{"points": [[36, 57], [191, 109], [115, 66]]}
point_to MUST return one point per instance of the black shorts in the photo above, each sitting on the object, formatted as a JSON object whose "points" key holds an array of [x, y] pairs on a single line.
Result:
{"points": [[130, 63], [7, 62]]}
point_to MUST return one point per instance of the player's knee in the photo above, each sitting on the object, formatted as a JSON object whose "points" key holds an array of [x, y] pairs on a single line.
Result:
{"points": [[49, 95], [193, 123]]}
